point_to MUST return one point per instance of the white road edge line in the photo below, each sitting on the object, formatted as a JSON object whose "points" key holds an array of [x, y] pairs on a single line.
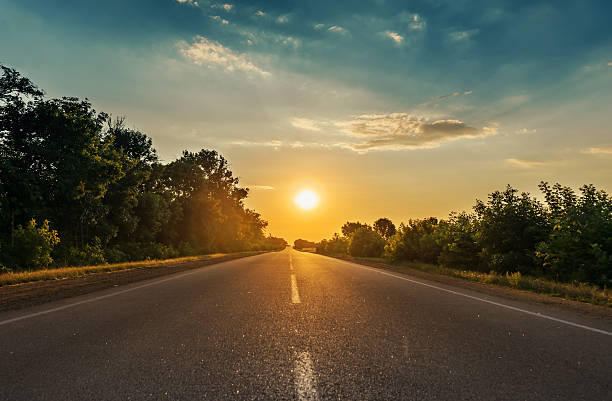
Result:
{"points": [[295, 295], [305, 382], [89, 300], [514, 308]]}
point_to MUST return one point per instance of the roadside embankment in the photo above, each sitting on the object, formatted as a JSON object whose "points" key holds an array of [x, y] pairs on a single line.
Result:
{"points": [[19, 290]]}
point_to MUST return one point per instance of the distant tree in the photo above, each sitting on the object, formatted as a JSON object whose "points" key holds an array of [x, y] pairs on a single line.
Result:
{"points": [[350, 227], [384, 227], [415, 241], [365, 242], [302, 244]]}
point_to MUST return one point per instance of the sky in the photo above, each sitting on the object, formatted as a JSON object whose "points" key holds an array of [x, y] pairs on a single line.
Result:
{"points": [[398, 109]]}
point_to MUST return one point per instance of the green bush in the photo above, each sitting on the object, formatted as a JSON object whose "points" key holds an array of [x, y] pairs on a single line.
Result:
{"points": [[32, 246], [88, 255], [365, 242]]}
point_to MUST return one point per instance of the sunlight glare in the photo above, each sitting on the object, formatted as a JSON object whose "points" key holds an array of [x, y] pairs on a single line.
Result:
{"points": [[306, 199]]}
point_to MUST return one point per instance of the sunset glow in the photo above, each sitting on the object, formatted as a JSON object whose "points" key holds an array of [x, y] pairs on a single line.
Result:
{"points": [[306, 199]]}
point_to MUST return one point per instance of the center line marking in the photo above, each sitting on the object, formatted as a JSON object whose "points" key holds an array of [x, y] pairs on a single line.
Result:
{"points": [[305, 382], [295, 295], [290, 262]]}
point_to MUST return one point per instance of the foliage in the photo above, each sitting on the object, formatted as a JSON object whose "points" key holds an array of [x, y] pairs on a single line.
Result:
{"points": [[384, 227], [365, 242], [415, 241], [514, 236], [32, 246], [349, 228], [579, 247], [457, 238], [104, 189], [336, 245], [510, 226], [303, 244]]}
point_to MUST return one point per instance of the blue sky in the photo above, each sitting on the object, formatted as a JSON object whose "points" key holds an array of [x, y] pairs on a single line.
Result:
{"points": [[410, 98]]}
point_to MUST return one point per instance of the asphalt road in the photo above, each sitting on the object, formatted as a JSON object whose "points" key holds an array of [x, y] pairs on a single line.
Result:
{"points": [[298, 326]]}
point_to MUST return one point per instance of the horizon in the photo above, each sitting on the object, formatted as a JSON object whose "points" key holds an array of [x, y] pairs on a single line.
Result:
{"points": [[381, 109]]}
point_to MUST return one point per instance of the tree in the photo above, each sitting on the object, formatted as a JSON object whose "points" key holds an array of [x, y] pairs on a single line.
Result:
{"points": [[365, 242], [350, 227], [579, 247], [384, 227], [510, 226]]}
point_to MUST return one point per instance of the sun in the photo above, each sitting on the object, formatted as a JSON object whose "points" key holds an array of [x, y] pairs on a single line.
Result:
{"points": [[306, 199]]}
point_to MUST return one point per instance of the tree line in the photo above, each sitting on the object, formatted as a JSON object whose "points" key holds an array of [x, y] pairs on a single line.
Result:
{"points": [[567, 237], [79, 187]]}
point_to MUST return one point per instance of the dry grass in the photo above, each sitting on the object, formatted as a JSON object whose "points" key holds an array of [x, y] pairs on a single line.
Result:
{"points": [[66, 272], [576, 291]]}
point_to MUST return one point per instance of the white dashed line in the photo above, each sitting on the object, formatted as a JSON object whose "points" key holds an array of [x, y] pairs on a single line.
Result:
{"points": [[305, 382], [290, 262], [295, 295]]}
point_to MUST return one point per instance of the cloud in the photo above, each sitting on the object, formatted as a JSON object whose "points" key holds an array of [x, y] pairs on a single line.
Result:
{"points": [[291, 41], [283, 19], [397, 38], [218, 18], [226, 7], [525, 131], [454, 94], [260, 13], [460, 35], [526, 163], [262, 187], [337, 29], [610, 64], [190, 2], [305, 123], [405, 131], [271, 143], [599, 150], [213, 54], [319, 26]]}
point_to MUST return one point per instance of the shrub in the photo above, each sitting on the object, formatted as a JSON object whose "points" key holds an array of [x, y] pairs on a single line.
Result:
{"points": [[365, 242], [32, 246]]}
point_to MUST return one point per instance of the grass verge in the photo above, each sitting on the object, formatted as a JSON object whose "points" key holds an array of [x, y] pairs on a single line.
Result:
{"points": [[576, 291], [68, 272]]}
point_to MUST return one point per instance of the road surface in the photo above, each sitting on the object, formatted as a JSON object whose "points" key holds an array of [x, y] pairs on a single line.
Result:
{"points": [[299, 326]]}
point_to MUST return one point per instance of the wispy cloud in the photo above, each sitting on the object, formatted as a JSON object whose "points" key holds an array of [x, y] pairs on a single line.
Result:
{"points": [[397, 38], [526, 163], [337, 29], [271, 143], [525, 131], [405, 131], [607, 150], [305, 123], [213, 54], [262, 187], [283, 19], [454, 94], [260, 13], [461, 35], [319, 26]]}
